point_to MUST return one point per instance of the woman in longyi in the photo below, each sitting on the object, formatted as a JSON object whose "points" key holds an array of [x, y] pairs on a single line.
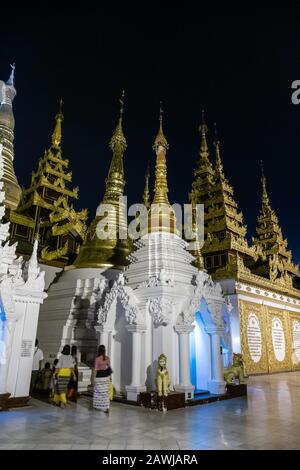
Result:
{"points": [[102, 380], [64, 370]]}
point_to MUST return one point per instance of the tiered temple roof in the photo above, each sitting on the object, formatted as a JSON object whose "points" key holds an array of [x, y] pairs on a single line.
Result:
{"points": [[225, 246], [275, 261], [46, 208]]}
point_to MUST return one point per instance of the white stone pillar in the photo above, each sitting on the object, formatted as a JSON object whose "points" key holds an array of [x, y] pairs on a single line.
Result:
{"points": [[9, 326], [136, 387], [104, 333], [217, 384], [184, 361]]}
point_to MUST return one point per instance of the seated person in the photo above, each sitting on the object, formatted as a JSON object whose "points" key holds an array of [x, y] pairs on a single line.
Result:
{"points": [[45, 378]]}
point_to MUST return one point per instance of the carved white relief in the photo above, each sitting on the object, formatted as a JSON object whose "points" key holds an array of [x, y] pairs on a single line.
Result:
{"points": [[164, 278], [161, 310], [212, 293], [127, 299]]}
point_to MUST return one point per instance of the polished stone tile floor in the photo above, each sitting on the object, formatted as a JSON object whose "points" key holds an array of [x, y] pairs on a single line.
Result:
{"points": [[268, 419]]}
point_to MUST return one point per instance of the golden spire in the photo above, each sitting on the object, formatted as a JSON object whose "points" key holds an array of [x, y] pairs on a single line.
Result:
{"points": [[56, 136], [160, 147], [161, 214], [204, 173], [115, 181], [277, 260], [219, 164], [111, 252], [203, 130], [146, 194], [195, 247], [265, 197], [204, 153], [160, 138], [118, 140]]}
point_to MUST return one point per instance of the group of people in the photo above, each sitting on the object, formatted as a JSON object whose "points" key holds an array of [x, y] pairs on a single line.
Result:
{"points": [[61, 380]]}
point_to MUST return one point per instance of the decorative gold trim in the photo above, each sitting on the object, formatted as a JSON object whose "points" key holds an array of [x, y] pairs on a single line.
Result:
{"points": [[274, 364], [245, 309], [291, 317]]}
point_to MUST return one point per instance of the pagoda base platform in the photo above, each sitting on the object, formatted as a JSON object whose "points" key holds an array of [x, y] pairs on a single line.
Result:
{"points": [[176, 400], [7, 402]]}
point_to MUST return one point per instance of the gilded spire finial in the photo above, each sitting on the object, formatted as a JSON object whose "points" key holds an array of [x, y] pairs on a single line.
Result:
{"points": [[11, 80], [219, 165], [121, 100], [160, 147], [160, 140], [265, 196], [57, 135], [146, 194], [118, 139], [203, 129]]}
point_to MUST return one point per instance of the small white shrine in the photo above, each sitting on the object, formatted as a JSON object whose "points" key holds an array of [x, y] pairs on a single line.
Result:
{"points": [[162, 304], [21, 293]]}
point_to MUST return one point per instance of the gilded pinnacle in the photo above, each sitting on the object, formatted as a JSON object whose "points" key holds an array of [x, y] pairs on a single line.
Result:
{"points": [[57, 135], [160, 147], [118, 140], [146, 194], [203, 129], [161, 214], [265, 197], [160, 138], [219, 165]]}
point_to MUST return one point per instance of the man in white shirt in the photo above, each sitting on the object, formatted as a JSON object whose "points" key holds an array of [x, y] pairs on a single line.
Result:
{"points": [[36, 365]]}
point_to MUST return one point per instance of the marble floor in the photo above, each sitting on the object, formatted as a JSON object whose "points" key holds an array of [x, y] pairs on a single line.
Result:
{"points": [[268, 419]]}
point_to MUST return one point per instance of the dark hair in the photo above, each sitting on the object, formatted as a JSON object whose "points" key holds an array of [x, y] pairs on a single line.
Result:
{"points": [[73, 350], [101, 351], [47, 365], [36, 342], [66, 350]]}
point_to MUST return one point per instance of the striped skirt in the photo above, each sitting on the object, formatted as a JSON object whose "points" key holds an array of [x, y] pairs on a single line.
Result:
{"points": [[61, 386], [101, 393]]}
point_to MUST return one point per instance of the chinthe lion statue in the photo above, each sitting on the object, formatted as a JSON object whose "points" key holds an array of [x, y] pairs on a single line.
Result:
{"points": [[236, 371], [162, 377]]}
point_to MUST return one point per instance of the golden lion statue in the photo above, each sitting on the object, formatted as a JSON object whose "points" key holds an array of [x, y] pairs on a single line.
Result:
{"points": [[162, 377], [236, 371]]}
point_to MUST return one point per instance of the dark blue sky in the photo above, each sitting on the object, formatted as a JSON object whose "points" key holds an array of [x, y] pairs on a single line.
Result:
{"points": [[239, 69]]}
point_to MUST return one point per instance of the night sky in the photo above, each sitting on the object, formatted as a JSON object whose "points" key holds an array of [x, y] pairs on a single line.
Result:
{"points": [[239, 69]]}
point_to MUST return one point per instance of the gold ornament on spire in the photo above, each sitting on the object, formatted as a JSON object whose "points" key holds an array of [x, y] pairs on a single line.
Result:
{"points": [[203, 130], [219, 165], [160, 147], [56, 136], [204, 173], [118, 141], [146, 194], [195, 246], [160, 140], [265, 197]]}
